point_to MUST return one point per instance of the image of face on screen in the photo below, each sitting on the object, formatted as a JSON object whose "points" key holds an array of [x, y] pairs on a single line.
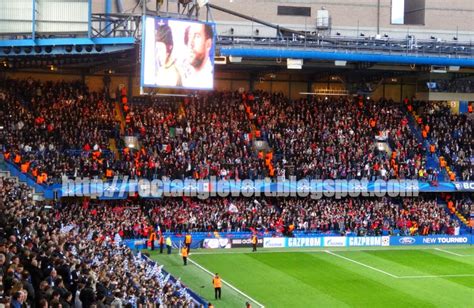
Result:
{"points": [[199, 70], [167, 72], [178, 54]]}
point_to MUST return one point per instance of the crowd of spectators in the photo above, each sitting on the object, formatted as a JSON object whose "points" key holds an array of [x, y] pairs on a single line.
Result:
{"points": [[67, 253], [199, 137], [319, 139], [44, 122], [355, 216], [454, 86], [463, 203], [58, 257], [336, 138], [452, 136], [212, 135]]}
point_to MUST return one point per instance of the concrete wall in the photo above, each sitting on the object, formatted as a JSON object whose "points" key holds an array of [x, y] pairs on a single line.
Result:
{"points": [[439, 96], [442, 18], [288, 84], [43, 76], [394, 91]]}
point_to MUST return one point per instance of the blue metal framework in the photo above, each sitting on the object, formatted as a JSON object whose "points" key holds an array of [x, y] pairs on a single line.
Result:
{"points": [[116, 25], [354, 56], [68, 41], [354, 44], [114, 32], [105, 33], [350, 49]]}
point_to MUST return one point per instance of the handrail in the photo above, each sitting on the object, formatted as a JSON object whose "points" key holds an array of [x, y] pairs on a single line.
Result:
{"points": [[396, 47]]}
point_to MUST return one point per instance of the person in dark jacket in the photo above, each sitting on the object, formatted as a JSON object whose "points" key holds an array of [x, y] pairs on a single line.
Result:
{"points": [[26, 281], [87, 295], [17, 300], [35, 273], [66, 300]]}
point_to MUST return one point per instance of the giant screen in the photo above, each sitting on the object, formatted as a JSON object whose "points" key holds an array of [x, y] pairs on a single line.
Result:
{"points": [[177, 54]]}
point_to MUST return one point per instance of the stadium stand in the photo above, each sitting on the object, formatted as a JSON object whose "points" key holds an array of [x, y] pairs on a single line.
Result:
{"points": [[450, 134], [199, 139], [129, 90], [62, 256], [195, 139], [68, 252], [341, 135], [55, 129], [359, 216], [453, 86]]}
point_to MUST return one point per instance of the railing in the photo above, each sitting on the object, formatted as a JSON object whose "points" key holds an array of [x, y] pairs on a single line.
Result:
{"points": [[129, 25], [115, 25], [327, 92], [79, 152], [397, 47]]}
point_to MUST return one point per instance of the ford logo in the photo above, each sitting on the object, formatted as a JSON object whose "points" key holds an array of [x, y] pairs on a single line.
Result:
{"points": [[407, 240]]}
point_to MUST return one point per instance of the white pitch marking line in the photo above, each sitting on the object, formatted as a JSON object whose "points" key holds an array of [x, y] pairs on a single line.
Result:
{"points": [[225, 282], [436, 276], [362, 264], [450, 252]]}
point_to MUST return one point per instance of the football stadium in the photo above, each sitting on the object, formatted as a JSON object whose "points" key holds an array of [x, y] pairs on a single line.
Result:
{"points": [[236, 153]]}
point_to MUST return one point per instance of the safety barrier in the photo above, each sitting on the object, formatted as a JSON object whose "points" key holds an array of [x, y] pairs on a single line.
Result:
{"points": [[367, 241], [121, 189], [303, 239]]}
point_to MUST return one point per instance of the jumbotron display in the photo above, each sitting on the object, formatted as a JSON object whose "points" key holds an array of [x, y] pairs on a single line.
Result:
{"points": [[177, 54]]}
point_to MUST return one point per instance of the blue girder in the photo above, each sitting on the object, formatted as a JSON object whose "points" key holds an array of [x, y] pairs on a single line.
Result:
{"points": [[345, 56]]}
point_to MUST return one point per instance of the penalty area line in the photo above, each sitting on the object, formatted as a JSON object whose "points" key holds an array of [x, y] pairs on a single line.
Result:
{"points": [[398, 277], [226, 283]]}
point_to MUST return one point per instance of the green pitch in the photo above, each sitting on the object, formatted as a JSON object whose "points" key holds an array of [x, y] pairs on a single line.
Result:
{"points": [[423, 277]]}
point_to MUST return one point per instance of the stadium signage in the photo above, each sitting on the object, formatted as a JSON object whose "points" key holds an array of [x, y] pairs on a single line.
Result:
{"points": [[321, 241], [245, 242], [215, 243], [464, 186], [274, 242], [304, 242], [335, 241], [119, 188], [430, 240], [369, 241], [407, 241], [446, 240]]}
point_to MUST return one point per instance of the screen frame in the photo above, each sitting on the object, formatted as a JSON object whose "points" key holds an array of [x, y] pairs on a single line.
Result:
{"points": [[142, 56]]}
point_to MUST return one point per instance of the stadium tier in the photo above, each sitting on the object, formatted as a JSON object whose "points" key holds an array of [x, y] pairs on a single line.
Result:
{"points": [[216, 153], [60, 130]]}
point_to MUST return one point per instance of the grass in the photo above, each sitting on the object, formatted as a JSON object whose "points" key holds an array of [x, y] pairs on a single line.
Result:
{"points": [[382, 277]]}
